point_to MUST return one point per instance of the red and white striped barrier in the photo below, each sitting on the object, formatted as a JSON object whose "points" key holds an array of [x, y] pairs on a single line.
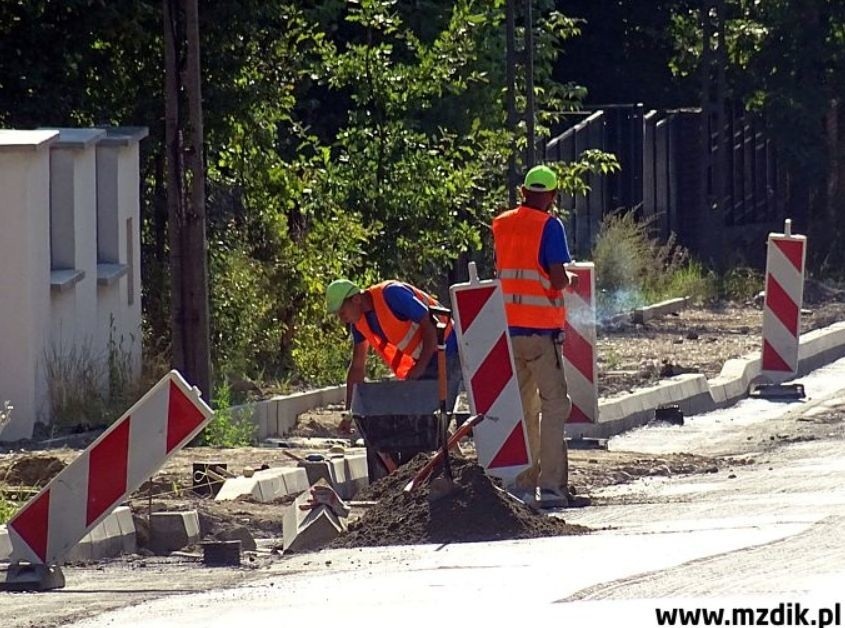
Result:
{"points": [[579, 345], [785, 258], [117, 463], [490, 376]]}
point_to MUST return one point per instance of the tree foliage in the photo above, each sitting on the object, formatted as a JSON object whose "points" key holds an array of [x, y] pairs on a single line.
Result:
{"points": [[359, 138]]}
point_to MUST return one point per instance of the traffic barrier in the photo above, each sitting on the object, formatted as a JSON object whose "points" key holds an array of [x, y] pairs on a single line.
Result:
{"points": [[167, 417], [785, 259], [579, 345], [490, 376]]}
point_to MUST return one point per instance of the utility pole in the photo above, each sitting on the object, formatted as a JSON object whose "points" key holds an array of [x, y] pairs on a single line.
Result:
{"points": [[189, 310], [510, 77], [716, 141], [530, 108]]}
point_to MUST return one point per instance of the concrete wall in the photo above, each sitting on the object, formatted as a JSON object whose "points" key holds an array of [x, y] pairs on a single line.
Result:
{"points": [[119, 242], [73, 218], [25, 273], [70, 250]]}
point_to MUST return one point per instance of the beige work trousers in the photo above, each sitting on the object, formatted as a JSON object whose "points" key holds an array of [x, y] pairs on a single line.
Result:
{"points": [[542, 385]]}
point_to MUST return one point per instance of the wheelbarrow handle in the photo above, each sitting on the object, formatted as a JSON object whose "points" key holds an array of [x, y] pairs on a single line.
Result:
{"points": [[425, 471]]}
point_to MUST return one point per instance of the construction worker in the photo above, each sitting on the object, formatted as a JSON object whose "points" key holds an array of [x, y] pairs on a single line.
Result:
{"points": [[531, 251], [395, 320]]}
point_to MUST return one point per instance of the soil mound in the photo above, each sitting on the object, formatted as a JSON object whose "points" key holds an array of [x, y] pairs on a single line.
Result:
{"points": [[35, 471], [478, 510]]}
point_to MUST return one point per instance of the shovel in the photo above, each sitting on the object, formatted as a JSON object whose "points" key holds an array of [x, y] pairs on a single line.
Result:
{"points": [[425, 471]]}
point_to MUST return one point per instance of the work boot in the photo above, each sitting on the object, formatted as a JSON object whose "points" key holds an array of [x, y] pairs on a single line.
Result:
{"points": [[575, 500], [548, 498]]}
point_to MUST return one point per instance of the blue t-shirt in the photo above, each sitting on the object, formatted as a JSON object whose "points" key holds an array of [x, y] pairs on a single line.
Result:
{"points": [[553, 250], [406, 307]]}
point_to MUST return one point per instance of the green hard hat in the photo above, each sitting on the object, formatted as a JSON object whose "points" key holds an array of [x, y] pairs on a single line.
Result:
{"points": [[338, 291], [541, 179]]}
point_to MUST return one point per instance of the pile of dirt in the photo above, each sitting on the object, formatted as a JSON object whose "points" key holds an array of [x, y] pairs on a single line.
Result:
{"points": [[34, 471], [478, 510]]}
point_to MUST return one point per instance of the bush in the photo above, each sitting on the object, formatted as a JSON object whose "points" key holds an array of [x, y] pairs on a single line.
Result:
{"points": [[689, 280], [228, 427], [632, 269], [741, 284]]}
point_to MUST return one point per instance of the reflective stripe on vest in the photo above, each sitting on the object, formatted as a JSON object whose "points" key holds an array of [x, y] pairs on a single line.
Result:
{"points": [[514, 273], [522, 299], [401, 345], [530, 299]]}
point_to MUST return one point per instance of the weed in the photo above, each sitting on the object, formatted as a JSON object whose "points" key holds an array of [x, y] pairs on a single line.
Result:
{"points": [[7, 508], [87, 389], [741, 284], [75, 378], [228, 427]]}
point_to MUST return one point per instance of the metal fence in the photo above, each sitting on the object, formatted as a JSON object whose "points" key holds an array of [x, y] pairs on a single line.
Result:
{"points": [[717, 192]]}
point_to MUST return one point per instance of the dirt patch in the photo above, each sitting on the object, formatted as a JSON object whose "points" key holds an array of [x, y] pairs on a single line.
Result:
{"points": [[695, 340], [31, 471], [477, 511], [319, 423], [591, 470]]}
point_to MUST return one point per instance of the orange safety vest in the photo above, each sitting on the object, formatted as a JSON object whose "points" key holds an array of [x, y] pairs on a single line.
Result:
{"points": [[530, 300], [401, 347]]}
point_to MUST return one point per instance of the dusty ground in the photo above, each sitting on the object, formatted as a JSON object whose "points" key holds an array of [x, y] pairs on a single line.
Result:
{"points": [[630, 356], [697, 340]]}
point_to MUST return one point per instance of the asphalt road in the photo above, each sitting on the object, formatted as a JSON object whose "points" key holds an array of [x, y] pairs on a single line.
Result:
{"points": [[766, 535]]}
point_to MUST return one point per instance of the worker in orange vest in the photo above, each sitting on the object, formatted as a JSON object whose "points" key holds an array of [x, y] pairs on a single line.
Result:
{"points": [[531, 253], [394, 319]]}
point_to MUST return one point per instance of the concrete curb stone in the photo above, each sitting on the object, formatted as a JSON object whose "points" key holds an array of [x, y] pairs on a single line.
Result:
{"points": [[113, 536], [347, 475], [171, 531], [695, 394], [670, 306], [307, 529], [276, 416]]}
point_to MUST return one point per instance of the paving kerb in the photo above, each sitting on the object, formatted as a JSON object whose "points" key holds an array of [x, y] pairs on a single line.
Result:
{"points": [[694, 394], [347, 475], [233, 488], [5, 543], [111, 537], [306, 529], [171, 531], [126, 526], [670, 306], [277, 415]]}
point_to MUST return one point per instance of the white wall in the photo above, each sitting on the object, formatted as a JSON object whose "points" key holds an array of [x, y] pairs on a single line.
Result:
{"points": [[118, 208], [73, 200], [88, 179], [24, 274]]}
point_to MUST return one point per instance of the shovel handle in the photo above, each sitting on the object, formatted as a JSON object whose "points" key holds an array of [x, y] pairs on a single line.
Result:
{"points": [[425, 471]]}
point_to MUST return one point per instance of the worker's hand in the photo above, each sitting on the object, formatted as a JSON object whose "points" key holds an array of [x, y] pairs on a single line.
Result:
{"points": [[573, 280]]}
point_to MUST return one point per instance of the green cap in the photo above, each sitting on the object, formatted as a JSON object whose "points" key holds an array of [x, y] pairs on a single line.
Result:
{"points": [[338, 291], [541, 179]]}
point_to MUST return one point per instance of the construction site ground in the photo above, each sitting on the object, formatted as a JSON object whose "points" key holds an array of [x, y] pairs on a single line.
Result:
{"points": [[630, 356]]}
